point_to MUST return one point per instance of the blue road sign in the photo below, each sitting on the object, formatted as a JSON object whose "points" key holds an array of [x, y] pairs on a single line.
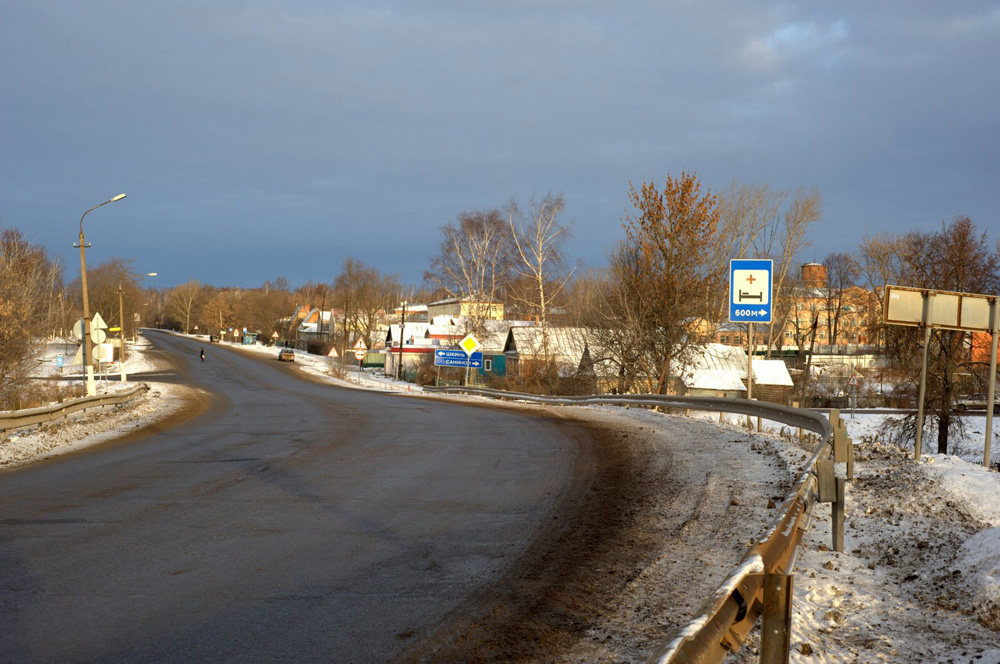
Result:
{"points": [[750, 290], [457, 358]]}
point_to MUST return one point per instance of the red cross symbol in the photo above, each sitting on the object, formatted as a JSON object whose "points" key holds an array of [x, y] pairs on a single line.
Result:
{"points": [[750, 279]]}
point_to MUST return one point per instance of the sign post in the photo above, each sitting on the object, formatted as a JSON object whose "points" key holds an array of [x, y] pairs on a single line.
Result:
{"points": [[359, 354], [469, 344], [853, 384], [750, 298]]}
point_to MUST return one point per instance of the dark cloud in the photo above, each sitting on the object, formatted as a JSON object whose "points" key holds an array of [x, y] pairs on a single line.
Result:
{"points": [[265, 138]]}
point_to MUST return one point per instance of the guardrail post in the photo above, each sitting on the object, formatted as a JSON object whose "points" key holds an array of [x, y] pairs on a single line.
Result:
{"points": [[776, 622], [838, 514], [843, 447], [795, 404], [832, 489], [722, 415]]}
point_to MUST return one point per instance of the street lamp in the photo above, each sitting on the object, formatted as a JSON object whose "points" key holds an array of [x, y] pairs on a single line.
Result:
{"points": [[88, 348], [121, 323]]}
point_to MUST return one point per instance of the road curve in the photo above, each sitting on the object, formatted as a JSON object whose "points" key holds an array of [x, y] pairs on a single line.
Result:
{"points": [[289, 521]]}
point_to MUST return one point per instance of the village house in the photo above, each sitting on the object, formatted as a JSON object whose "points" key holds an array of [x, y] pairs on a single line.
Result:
{"points": [[466, 307]]}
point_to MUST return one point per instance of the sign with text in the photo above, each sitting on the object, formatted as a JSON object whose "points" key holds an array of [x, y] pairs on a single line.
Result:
{"points": [[457, 358], [750, 287]]}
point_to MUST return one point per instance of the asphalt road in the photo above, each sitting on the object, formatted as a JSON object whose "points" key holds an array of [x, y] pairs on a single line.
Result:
{"points": [[289, 521]]}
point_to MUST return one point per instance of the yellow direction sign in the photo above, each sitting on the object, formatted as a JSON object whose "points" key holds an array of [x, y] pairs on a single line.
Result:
{"points": [[469, 344]]}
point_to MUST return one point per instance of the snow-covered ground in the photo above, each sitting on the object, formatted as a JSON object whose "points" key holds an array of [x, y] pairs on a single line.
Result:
{"points": [[919, 580], [92, 427]]}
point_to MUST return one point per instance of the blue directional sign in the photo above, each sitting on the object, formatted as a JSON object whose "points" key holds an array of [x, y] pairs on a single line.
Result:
{"points": [[750, 290], [457, 358]]}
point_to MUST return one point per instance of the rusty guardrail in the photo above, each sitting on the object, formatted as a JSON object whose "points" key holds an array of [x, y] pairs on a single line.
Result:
{"points": [[761, 584], [19, 419]]}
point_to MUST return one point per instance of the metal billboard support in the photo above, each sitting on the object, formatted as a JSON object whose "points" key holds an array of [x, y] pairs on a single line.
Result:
{"points": [[927, 318], [991, 390], [967, 312]]}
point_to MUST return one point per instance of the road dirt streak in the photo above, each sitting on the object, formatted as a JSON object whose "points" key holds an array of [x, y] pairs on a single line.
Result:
{"points": [[651, 524]]}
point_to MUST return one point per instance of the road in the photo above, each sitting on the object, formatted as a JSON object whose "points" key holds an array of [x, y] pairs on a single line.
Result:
{"points": [[287, 521]]}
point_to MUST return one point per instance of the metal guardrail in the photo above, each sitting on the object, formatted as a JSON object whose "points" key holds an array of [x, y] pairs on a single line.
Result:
{"points": [[761, 583], [19, 419]]}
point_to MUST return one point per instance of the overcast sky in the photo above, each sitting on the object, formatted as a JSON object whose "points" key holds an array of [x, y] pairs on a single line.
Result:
{"points": [[263, 139]]}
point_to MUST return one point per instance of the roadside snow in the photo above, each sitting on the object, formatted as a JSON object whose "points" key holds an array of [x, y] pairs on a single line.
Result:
{"points": [[91, 427], [919, 580]]}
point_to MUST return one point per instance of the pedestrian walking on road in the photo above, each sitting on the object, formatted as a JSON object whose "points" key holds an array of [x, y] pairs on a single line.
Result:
{"points": [[202, 354]]}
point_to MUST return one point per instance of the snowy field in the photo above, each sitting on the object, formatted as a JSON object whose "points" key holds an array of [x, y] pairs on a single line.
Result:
{"points": [[919, 580]]}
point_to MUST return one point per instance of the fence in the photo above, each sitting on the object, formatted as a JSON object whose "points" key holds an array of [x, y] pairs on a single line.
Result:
{"points": [[20, 419], [761, 583]]}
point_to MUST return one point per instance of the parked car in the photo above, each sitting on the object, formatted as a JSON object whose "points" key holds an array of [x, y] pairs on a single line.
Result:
{"points": [[286, 354], [976, 402]]}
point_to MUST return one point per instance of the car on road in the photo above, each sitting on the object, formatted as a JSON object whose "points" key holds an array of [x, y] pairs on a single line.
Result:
{"points": [[976, 402], [286, 354]]}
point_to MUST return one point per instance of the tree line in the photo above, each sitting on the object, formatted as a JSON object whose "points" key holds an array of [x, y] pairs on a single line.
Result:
{"points": [[669, 268]]}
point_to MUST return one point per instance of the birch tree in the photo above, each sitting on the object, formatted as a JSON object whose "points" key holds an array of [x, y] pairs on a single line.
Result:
{"points": [[476, 259], [539, 239]]}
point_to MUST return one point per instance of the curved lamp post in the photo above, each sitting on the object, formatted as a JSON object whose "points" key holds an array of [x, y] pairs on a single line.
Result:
{"points": [[88, 347]]}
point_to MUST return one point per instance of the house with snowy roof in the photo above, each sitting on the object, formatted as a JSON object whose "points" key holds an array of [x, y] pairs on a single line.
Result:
{"points": [[720, 369]]}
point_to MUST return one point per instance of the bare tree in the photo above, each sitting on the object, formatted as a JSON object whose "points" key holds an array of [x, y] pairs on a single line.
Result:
{"points": [[262, 309], [220, 311], [364, 295], [27, 283], [539, 240], [183, 303], [784, 242], [957, 258], [841, 274], [754, 226], [477, 256]]}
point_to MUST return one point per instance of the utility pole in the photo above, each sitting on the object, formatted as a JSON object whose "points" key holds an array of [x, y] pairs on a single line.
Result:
{"points": [[402, 324]]}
